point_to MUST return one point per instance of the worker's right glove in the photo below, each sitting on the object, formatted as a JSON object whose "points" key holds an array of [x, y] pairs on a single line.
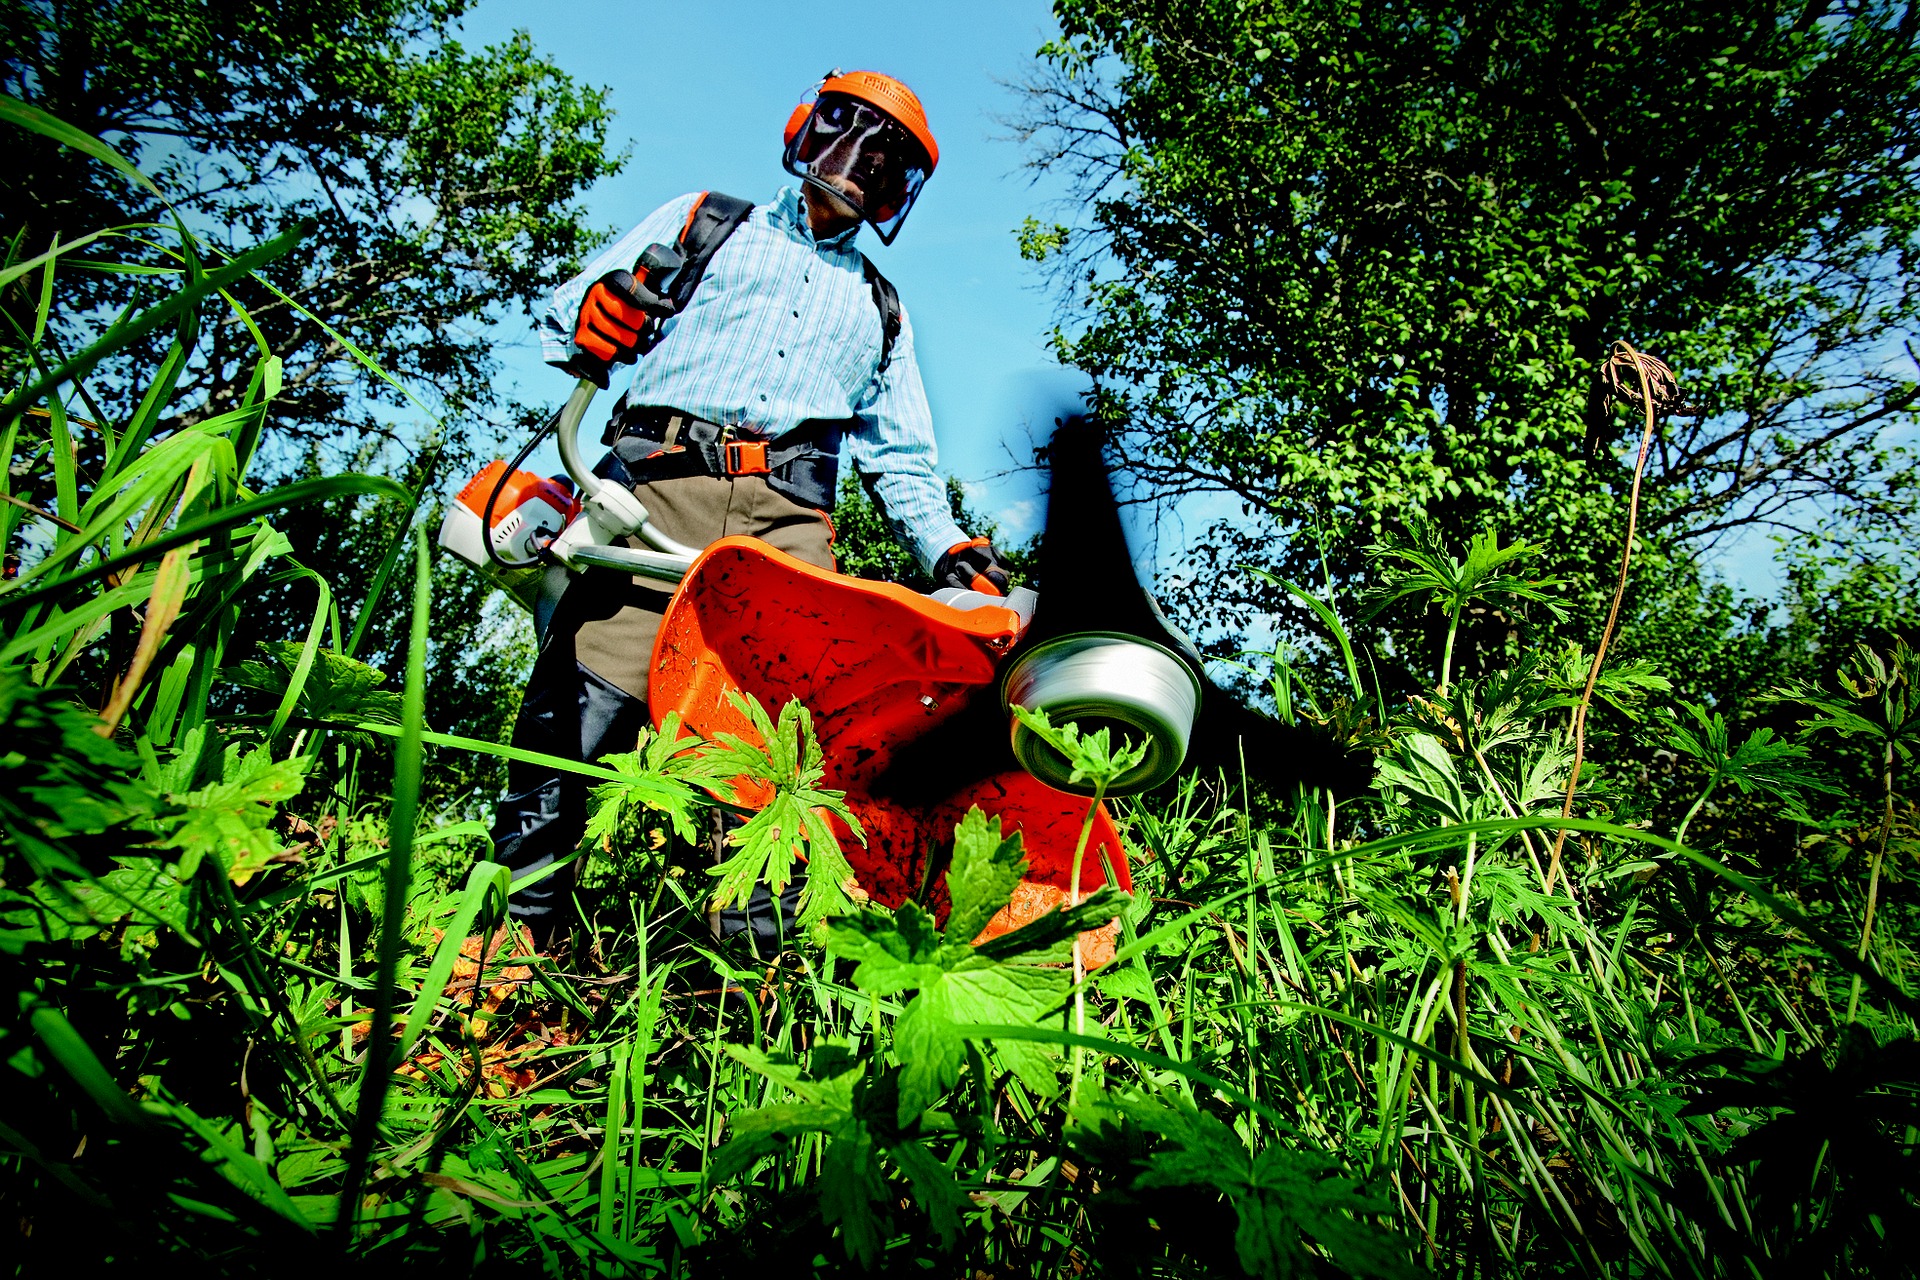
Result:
{"points": [[613, 315], [972, 566]]}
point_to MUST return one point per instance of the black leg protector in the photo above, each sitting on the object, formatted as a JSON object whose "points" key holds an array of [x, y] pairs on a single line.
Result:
{"points": [[568, 711], [768, 931]]}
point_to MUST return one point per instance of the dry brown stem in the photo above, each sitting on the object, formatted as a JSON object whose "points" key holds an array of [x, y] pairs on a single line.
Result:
{"points": [[1656, 391]]}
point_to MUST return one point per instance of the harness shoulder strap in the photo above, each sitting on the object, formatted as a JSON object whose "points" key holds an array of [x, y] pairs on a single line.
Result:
{"points": [[886, 299], [713, 218]]}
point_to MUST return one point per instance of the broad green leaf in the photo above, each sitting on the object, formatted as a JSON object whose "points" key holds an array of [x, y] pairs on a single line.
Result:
{"points": [[1423, 769], [851, 1182], [339, 692], [976, 989], [1096, 760], [794, 823], [229, 819], [894, 953], [986, 868]]}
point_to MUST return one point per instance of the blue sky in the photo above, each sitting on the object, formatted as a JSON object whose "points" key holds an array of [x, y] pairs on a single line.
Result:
{"points": [[702, 92]]}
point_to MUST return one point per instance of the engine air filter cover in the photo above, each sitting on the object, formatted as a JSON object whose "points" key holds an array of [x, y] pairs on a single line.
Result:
{"points": [[1139, 690]]}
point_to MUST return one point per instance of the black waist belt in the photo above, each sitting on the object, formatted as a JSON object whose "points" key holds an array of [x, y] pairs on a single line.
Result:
{"points": [[651, 444]]}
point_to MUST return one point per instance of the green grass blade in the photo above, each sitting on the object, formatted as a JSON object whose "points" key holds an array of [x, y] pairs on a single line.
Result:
{"points": [[486, 883], [126, 331], [62, 248], [76, 1057], [290, 495], [309, 649], [499, 749], [1326, 615], [1121, 1049], [407, 768], [66, 487], [378, 587], [34, 120]]}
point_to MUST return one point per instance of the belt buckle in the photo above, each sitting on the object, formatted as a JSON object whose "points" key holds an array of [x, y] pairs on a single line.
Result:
{"points": [[745, 457]]}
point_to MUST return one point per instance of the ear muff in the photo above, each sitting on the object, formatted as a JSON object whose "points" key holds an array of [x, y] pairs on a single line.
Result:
{"points": [[797, 119], [796, 122]]}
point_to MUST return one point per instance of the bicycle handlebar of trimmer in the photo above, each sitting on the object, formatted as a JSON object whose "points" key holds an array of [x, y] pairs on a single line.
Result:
{"points": [[566, 435]]}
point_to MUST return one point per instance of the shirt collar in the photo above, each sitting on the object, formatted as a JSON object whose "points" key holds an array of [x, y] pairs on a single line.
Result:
{"points": [[789, 210]]}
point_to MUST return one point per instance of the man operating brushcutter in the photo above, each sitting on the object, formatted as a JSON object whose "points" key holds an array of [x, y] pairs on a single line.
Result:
{"points": [[761, 340]]}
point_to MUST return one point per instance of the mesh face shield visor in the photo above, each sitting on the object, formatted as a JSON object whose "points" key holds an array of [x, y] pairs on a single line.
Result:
{"points": [[864, 157]]}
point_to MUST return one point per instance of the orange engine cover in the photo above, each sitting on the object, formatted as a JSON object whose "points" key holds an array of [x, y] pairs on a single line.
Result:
{"points": [[877, 666]]}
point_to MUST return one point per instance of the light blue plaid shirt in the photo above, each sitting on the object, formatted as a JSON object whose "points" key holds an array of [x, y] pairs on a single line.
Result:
{"points": [[784, 329]]}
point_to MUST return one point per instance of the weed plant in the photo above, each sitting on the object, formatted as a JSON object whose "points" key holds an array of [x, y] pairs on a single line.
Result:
{"points": [[260, 1019]]}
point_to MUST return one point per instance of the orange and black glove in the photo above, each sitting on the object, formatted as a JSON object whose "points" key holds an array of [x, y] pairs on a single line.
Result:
{"points": [[972, 566], [613, 316]]}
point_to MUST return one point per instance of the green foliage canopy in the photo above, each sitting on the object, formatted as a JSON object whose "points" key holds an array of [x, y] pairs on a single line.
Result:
{"points": [[439, 184], [1350, 263]]}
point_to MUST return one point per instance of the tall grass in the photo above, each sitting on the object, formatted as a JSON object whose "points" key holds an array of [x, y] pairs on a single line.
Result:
{"points": [[259, 1016]]}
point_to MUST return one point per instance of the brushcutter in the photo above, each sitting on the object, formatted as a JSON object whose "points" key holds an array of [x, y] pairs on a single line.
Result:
{"points": [[544, 522]]}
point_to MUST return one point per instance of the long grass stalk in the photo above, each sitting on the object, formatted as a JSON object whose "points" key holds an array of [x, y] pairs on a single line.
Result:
{"points": [[409, 758], [1873, 877], [1079, 959]]}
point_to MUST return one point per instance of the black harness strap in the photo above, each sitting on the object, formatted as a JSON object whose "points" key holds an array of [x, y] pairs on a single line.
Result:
{"points": [[887, 299], [714, 218], [663, 444]]}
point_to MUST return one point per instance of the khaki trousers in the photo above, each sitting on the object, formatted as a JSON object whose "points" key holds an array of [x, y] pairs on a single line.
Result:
{"points": [[615, 624], [587, 696]]}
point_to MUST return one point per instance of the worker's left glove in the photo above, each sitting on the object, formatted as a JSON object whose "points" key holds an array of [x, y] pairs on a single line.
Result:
{"points": [[616, 311], [972, 566]]}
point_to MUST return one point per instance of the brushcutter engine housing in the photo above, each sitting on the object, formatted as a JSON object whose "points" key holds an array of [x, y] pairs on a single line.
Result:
{"points": [[529, 512]]}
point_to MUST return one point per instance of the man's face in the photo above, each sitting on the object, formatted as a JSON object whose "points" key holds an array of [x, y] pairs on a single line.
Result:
{"points": [[860, 158]]}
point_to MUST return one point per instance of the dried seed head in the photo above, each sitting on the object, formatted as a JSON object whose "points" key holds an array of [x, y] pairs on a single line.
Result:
{"points": [[1620, 383]]}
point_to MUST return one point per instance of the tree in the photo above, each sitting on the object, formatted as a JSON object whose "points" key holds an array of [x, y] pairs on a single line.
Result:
{"points": [[864, 547], [1352, 263], [439, 187]]}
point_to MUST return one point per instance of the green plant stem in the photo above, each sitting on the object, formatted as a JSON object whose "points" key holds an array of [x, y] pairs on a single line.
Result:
{"points": [[48, 516], [407, 764], [1507, 805], [1726, 982], [713, 1083], [1680, 835], [263, 985], [405, 506], [609, 1205], [1079, 960], [1873, 876]]}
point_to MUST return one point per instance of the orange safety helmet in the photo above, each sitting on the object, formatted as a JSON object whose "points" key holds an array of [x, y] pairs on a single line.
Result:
{"points": [[864, 137]]}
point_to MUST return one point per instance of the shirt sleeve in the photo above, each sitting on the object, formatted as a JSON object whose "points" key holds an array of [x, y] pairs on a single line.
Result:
{"points": [[562, 315], [894, 452]]}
